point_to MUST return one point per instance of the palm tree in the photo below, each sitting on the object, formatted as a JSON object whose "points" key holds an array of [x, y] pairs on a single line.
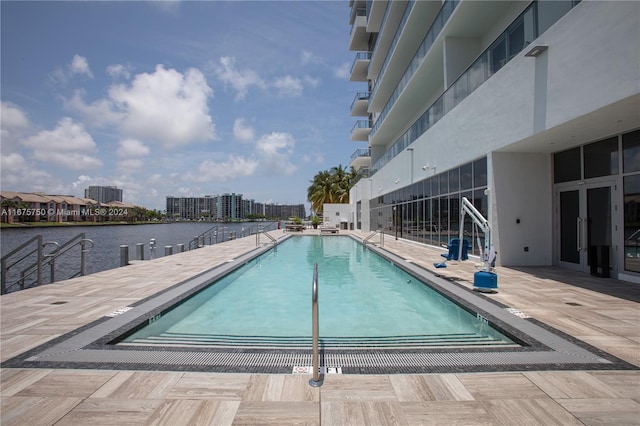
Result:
{"points": [[331, 187]]}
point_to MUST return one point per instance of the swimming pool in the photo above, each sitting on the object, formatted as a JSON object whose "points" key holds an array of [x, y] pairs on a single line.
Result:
{"points": [[365, 301], [95, 345]]}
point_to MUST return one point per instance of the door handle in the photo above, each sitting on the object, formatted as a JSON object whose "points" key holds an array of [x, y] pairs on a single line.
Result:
{"points": [[579, 234]]}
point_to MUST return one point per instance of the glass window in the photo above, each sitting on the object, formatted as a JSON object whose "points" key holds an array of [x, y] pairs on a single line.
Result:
{"points": [[466, 177], [435, 185], [480, 173], [521, 33], [444, 183], [427, 187], [460, 90], [454, 180], [477, 72], [549, 11], [631, 151], [498, 54], [632, 223], [566, 165], [601, 158]]}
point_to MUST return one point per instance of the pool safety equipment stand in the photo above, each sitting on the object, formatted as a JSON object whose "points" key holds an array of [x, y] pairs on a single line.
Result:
{"points": [[485, 280]]}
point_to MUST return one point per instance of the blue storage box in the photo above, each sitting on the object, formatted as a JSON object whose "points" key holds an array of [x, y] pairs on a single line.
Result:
{"points": [[485, 281]]}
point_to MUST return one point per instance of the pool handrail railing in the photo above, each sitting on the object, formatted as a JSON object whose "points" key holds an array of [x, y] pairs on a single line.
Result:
{"points": [[316, 381]]}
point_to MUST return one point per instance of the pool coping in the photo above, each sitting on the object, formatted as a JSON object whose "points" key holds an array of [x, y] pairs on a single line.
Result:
{"points": [[88, 346]]}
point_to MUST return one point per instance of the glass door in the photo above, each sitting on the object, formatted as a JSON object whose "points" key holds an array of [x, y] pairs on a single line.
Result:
{"points": [[585, 227]]}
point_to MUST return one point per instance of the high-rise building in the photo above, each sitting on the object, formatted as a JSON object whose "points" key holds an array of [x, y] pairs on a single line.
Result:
{"points": [[529, 109], [227, 207], [103, 194]]}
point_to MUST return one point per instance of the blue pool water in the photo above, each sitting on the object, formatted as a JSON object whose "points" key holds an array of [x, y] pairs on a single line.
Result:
{"points": [[363, 300]]}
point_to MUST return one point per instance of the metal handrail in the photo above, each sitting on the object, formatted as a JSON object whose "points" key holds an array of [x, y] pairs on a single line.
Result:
{"points": [[43, 260], [273, 240], [315, 381], [373, 234], [199, 241]]}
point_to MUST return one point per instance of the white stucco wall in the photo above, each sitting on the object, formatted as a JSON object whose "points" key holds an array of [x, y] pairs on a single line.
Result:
{"points": [[335, 215], [521, 193]]}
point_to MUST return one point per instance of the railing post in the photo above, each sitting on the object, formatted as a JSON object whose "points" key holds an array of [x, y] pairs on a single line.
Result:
{"points": [[315, 381], [3, 277], [82, 252], [124, 255], [40, 259]]}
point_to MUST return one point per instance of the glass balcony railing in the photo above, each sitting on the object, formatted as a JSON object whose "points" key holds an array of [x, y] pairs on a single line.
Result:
{"points": [[360, 96], [361, 124], [521, 32], [360, 56], [356, 23], [396, 37], [438, 24], [361, 152]]}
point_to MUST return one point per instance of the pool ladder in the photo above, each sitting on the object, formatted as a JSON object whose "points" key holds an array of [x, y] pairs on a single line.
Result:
{"points": [[316, 381], [373, 234], [273, 240]]}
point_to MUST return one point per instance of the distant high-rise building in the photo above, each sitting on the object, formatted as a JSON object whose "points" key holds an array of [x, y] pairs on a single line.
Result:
{"points": [[103, 194], [227, 207]]}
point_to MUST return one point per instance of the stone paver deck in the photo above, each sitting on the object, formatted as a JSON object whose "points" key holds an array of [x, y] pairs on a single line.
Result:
{"points": [[601, 312]]}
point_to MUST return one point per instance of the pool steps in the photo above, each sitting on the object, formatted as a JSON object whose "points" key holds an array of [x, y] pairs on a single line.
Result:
{"points": [[304, 342]]}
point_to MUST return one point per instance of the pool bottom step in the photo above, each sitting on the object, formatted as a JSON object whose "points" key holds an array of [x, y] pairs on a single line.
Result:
{"points": [[304, 342]]}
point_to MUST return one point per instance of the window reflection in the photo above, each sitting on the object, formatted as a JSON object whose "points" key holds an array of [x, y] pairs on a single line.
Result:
{"points": [[429, 211], [632, 223], [631, 149], [601, 158]]}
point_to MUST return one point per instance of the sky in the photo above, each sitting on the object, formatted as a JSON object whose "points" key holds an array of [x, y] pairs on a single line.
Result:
{"points": [[182, 98]]}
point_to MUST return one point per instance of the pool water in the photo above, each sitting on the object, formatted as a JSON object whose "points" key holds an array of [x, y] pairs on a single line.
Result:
{"points": [[363, 300]]}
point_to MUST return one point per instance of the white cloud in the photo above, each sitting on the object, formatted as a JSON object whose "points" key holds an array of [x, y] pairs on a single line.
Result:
{"points": [[68, 145], [79, 65], [234, 167], [14, 123], [288, 86], [240, 81], [165, 106], [119, 71], [313, 82], [15, 172], [132, 148], [12, 116], [242, 132], [310, 58], [343, 71], [100, 113], [130, 165], [129, 153], [273, 151], [82, 182]]}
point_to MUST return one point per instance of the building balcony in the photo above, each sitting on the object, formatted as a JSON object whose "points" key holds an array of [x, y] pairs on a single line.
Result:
{"points": [[360, 67], [359, 38], [361, 158], [360, 131], [359, 105]]}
